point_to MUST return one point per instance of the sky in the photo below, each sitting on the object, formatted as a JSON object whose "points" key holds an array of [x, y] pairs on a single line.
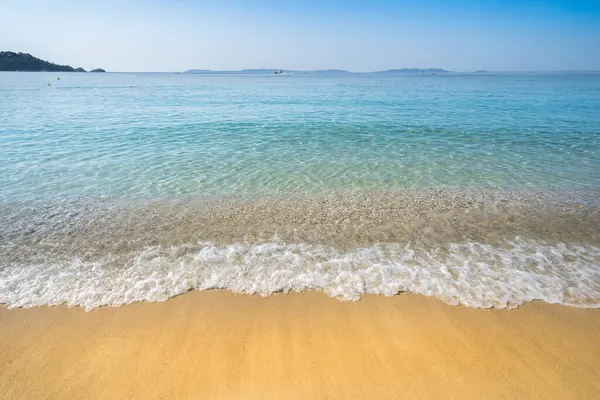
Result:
{"points": [[177, 35]]}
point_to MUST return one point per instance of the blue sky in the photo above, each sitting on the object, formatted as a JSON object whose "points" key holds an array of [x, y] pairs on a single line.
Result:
{"points": [[176, 35]]}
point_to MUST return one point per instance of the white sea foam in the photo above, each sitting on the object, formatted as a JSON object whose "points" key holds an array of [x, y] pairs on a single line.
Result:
{"points": [[471, 274]]}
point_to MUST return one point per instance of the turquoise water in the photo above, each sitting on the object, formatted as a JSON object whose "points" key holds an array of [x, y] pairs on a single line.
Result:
{"points": [[481, 189], [162, 135]]}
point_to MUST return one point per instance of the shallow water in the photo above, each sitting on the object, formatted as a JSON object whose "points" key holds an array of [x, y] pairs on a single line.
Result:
{"points": [[152, 136], [480, 190]]}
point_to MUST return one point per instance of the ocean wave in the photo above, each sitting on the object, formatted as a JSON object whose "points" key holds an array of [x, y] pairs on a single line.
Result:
{"points": [[472, 274]]}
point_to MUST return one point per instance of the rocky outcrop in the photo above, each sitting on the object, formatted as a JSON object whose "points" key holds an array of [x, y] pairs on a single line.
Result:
{"points": [[11, 61]]}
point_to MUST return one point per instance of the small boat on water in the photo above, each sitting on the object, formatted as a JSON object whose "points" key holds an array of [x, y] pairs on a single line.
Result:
{"points": [[280, 72]]}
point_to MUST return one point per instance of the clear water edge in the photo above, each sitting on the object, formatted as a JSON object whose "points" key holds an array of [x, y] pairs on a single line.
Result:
{"points": [[106, 140]]}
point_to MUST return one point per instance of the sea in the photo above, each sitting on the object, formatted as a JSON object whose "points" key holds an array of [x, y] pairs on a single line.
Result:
{"points": [[482, 190]]}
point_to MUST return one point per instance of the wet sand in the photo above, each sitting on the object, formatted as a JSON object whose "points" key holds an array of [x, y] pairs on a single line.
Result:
{"points": [[216, 344]]}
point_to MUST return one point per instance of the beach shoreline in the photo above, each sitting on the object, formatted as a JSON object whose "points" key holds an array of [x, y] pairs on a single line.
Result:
{"points": [[217, 344], [476, 248]]}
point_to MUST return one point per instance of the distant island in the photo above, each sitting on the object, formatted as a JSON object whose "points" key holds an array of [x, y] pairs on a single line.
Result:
{"points": [[413, 71], [10, 61], [264, 71]]}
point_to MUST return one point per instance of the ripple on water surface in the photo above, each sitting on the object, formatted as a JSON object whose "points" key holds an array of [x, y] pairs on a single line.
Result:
{"points": [[149, 136], [117, 188]]}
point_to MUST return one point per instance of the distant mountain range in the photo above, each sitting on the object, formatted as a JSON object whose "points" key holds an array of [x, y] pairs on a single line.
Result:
{"points": [[10, 61], [319, 72], [413, 71]]}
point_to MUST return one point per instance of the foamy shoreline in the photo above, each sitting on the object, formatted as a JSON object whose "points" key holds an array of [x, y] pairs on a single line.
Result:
{"points": [[477, 248]]}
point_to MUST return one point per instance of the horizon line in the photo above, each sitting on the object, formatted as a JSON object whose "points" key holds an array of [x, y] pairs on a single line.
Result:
{"points": [[359, 72]]}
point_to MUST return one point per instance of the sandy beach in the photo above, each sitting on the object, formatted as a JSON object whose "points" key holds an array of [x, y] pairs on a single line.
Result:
{"points": [[216, 344]]}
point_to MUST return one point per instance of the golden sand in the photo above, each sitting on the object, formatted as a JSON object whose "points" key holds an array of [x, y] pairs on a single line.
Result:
{"points": [[300, 345]]}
